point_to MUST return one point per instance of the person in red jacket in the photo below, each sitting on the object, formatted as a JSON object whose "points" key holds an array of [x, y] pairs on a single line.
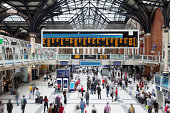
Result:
{"points": [[45, 103], [103, 81], [61, 108], [116, 94], [82, 90]]}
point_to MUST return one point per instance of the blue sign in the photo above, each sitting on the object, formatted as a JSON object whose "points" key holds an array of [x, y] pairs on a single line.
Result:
{"points": [[117, 63], [29, 45], [62, 73], [90, 63], [65, 83], [72, 86], [63, 63]]}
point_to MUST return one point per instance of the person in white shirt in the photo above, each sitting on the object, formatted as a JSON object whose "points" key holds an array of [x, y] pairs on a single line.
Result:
{"points": [[45, 77]]}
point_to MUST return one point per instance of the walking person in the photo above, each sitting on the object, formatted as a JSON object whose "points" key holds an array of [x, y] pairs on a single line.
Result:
{"points": [[116, 94], [23, 103], [45, 77], [149, 103], [107, 89], [1, 107], [82, 105], [131, 109], [16, 97], [94, 109], [92, 88], [87, 96], [61, 108], [107, 108], [38, 95], [34, 87], [30, 90], [45, 103], [82, 90], [155, 104], [65, 97], [9, 106], [99, 92], [111, 94], [50, 108]]}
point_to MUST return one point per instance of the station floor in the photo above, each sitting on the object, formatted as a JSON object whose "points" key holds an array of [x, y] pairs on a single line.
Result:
{"points": [[120, 106]]}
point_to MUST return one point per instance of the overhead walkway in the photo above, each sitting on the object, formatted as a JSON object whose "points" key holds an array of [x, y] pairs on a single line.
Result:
{"points": [[8, 60]]}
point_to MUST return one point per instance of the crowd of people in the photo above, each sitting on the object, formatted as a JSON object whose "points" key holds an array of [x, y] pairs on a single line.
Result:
{"points": [[95, 86]]}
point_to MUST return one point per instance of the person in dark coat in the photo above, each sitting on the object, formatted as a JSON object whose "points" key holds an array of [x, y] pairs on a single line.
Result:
{"points": [[9, 106], [99, 92]]}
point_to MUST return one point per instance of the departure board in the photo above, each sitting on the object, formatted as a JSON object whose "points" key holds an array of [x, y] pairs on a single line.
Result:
{"points": [[90, 38]]}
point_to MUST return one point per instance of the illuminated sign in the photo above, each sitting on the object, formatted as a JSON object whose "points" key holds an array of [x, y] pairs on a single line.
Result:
{"points": [[90, 38], [90, 56], [103, 56], [76, 56]]}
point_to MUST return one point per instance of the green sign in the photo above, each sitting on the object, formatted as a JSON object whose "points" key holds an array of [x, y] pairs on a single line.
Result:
{"points": [[1, 41]]}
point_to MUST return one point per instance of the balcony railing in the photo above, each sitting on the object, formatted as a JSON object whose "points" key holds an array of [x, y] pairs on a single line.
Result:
{"points": [[21, 58]]}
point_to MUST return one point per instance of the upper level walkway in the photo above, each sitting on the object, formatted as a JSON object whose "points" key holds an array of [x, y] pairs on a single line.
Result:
{"points": [[9, 60]]}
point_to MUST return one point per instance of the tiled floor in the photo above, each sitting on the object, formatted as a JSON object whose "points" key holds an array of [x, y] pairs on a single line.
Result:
{"points": [[116, 107]]}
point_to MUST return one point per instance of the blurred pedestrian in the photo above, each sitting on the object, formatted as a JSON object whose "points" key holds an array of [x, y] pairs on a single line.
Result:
{"points": [[50, 108], [1, 107], [99, 92], [9, 106], [116, 94], [87, 96], [45, 103], [34, 87], [77, 109], [23, 103], [30, 90], [65, 96], [131, 109], [82, 105], [107, 108], [17, 97], [94, 109], [61, 108]]}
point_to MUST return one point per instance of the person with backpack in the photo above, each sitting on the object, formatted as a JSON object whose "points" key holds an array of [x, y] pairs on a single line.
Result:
{"points": [[99, 92], [45, 103], [107, 89], [9, 106], [87, 96], [82, 105], [131, 109], [38, 95], [107, 108], [23, 103]]}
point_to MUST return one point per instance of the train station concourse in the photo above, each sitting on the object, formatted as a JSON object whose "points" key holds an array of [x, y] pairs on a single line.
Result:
{"points": [[84, 56]]}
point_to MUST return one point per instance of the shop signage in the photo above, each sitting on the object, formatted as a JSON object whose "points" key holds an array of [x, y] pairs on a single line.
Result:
{"points": [[90, 63]]}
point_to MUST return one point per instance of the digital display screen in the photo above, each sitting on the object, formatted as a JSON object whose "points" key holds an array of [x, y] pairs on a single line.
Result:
{"points": [[89, 38], [76, 56]]}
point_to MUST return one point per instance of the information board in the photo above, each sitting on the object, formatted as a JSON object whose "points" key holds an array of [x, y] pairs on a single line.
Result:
{"points": [[62, 73], [90, 38], [90, 56], [103, 56]]}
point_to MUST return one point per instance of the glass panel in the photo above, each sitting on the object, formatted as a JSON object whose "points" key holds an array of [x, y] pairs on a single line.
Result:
{"points": [[63, 57], [165, 82], [157, 79]]}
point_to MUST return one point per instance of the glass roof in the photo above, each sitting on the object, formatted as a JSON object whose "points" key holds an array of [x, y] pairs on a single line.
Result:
{"points": [[89, 13], [14, 18]]}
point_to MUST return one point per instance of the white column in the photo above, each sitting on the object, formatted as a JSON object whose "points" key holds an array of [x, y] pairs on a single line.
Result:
{"points": [[32, 39], [88, 51], [102, 50], [99, 50], [73, 51], [165, 37], [92, 50], [78, 51], [84, 51]]}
